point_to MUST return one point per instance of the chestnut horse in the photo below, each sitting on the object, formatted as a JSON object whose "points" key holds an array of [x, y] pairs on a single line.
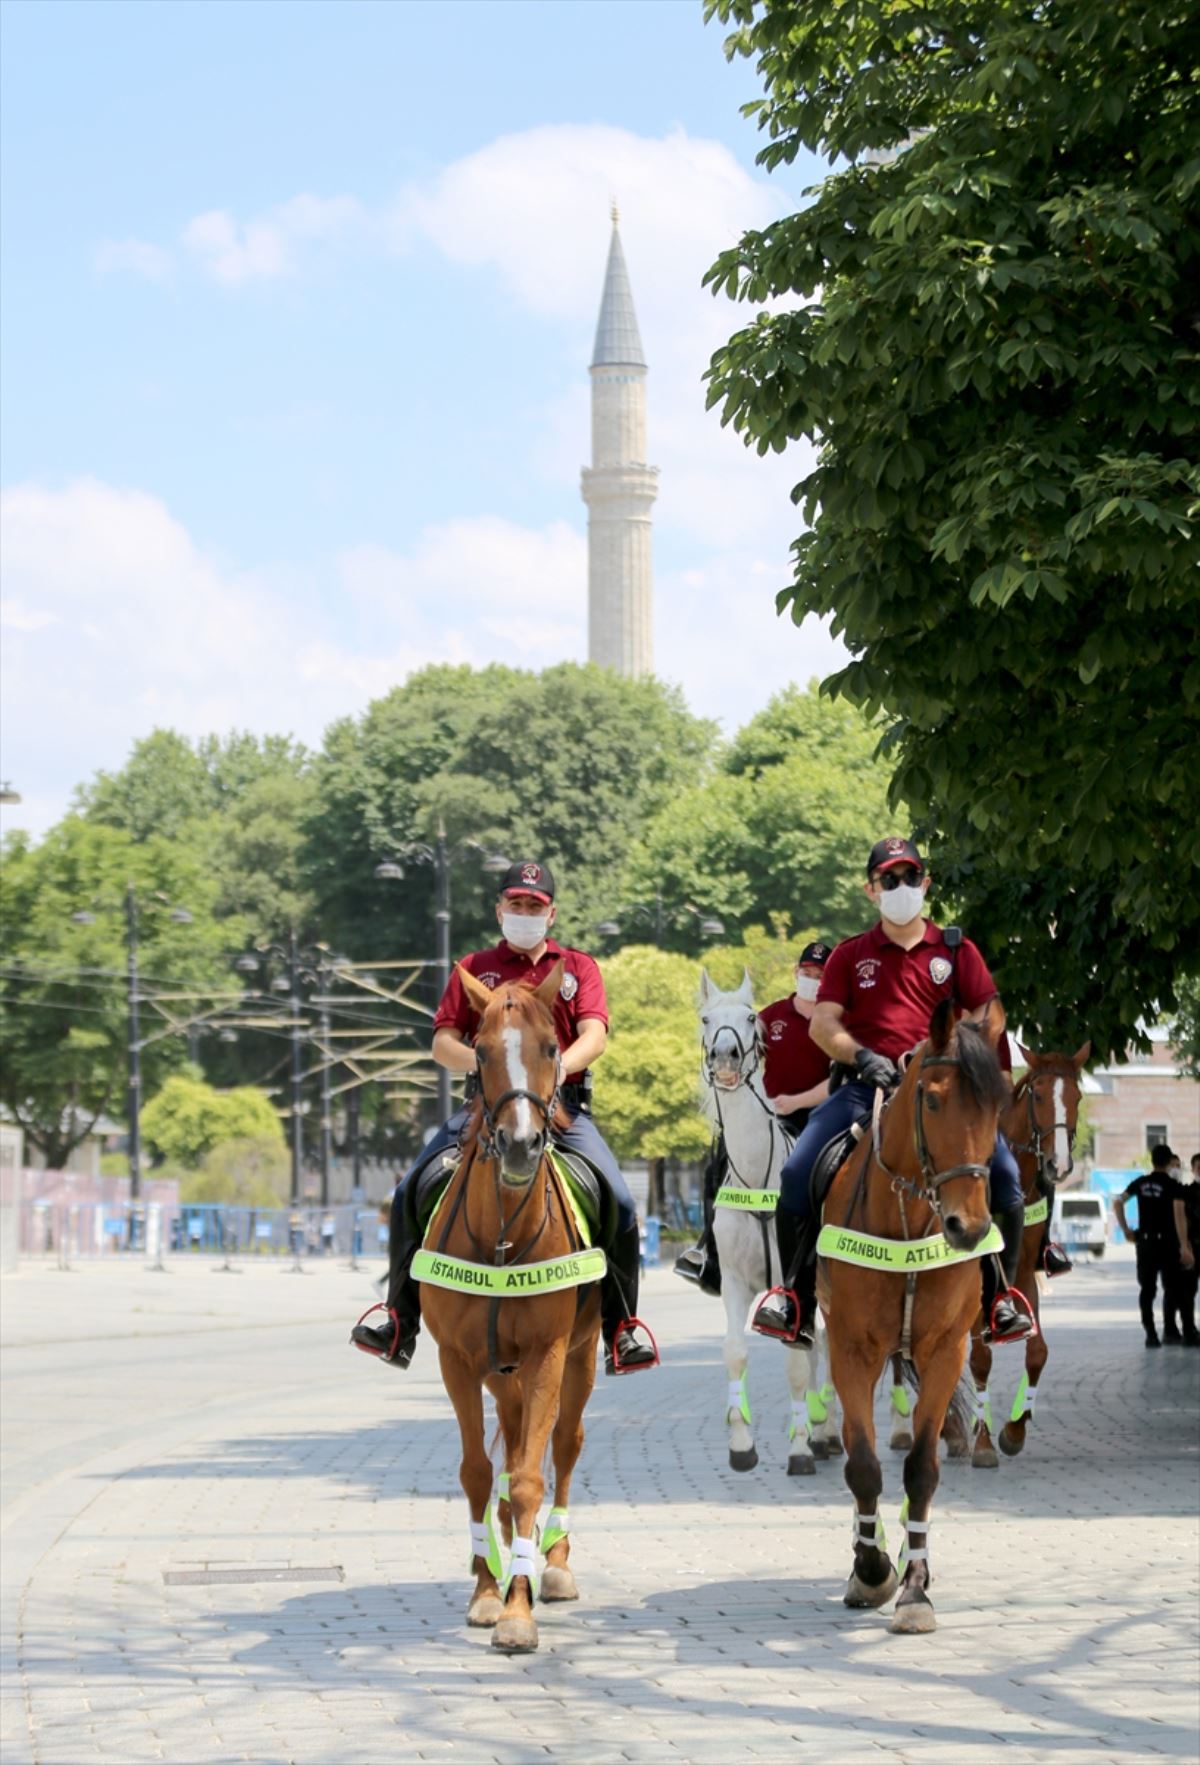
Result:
{"points": [[1039, 1124], [921, 1175], [505, 1209]]}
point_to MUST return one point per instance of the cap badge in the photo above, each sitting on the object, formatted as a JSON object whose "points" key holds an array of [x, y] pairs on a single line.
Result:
{"points": [[531, 873], [895, 845], [940, 970]]}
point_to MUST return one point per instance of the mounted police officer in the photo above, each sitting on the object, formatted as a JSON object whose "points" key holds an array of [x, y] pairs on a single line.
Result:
{"points": [[795, 1079], [877, 996], [525, 912]]}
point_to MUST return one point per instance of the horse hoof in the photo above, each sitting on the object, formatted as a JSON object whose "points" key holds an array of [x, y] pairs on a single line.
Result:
{"points": [[957, 1448], [515, 1636], [485, 1611], [801, 1465], [743, 1461], [834, 1447], [819, 1449], [901, 1441], [985, 1458], [916, 1617], [557, 1584], [1011, 1443], [861, 1593]]}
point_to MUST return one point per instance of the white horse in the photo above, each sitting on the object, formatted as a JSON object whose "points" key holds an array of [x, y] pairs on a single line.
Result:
{"points": [[756, 1145]]}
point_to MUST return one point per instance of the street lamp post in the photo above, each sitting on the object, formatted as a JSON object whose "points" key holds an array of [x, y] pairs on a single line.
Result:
{"points": [[653, 914], [297, 1069], [439, 855]]}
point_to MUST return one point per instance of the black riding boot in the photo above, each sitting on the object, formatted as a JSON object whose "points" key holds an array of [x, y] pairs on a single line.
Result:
{"points": [[395, 1340], [624, 1351], [1003, 1321], [1052, 1258], [790, 1311], [700, 1262]]}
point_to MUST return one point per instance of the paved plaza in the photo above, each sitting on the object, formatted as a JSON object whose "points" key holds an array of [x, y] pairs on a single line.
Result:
{"points": [[158, 1425]]}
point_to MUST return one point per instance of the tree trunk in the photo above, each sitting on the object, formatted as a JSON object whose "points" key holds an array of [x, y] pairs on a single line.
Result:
{"points": [[654, 1190]]}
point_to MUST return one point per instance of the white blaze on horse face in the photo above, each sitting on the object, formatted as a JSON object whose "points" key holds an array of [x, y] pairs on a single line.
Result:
{"points": [[518, 1080], [1062, 1140]]}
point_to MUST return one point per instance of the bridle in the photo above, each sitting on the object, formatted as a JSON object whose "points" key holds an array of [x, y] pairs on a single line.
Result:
{"points": [[1035, 1146], [486, 1140], [932, 1179], [747, 1058], [747, 1066]]}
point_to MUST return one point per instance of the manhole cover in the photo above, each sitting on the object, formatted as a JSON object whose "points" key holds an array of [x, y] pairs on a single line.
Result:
{"points": [[209, 1577]]}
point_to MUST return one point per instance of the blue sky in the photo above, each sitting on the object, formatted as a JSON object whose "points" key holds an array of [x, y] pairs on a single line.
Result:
{"points": [[297, 303]]}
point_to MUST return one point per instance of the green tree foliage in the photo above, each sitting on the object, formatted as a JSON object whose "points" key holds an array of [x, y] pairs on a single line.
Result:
{"points": [[241, 800], [252, 1171], [988, 330], [768, 957], [782, 830], [647, 1084], [63, 996], [564, 765], [188, 1119]]}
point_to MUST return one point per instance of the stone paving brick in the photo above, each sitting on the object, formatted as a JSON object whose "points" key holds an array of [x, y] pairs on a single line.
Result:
{"points": [[198, 1427]]}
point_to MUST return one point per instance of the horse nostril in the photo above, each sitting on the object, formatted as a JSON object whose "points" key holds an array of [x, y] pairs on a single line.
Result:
{"points": [[502, 1141], [953, 1225]]}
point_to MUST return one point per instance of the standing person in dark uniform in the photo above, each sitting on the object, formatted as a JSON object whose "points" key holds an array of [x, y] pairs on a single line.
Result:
{"points": [[1187, 1204], [1161, 1239], [525, 912], [878, 994], [795, 1078]]}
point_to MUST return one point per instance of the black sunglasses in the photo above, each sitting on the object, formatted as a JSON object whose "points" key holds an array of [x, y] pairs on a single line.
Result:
{"points": [[900, 879]]}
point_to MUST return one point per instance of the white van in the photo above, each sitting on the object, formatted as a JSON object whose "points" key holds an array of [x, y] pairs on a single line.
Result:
{"points": [[1080, 1221]]}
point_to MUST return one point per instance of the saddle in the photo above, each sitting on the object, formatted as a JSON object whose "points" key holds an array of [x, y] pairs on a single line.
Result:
{"points": [[829, 1161], [592, 1200]]}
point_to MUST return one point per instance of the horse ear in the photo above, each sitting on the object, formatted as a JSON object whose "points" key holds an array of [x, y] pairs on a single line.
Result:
{"points": [[993, 1024], [547, 990], [1080, 1059], [706, 987], [1027, 1055], [746, 990], [479, 995], [941, 1026]]}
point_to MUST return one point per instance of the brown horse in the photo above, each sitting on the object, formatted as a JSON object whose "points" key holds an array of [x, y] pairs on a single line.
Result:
{"points": [[1039, 1125], [505, 1210], [923, 1172]]}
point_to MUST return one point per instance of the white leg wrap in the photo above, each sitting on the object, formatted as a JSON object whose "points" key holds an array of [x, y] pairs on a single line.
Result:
{"points": [[916, 1553], [868, 1529], [798, 1427], [523, 1560]]}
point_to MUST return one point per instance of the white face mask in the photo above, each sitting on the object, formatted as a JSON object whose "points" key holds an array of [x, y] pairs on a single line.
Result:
{"points": [[807, 987], [524, 931], [901, 905]]}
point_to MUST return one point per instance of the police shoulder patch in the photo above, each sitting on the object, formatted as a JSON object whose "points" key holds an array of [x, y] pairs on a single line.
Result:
{"points": [[570, 985], [940, 970]]}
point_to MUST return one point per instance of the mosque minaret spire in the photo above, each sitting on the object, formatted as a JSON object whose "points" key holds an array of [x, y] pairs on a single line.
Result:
{"points": [[619, 487]]}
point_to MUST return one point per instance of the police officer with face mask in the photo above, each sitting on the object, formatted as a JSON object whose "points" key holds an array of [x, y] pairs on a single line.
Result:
{"points": [[526, 953], [878, 994]]}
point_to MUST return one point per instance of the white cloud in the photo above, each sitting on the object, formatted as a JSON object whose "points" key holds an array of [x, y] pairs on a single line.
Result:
{"points": [[135, 255], [234, 252]]}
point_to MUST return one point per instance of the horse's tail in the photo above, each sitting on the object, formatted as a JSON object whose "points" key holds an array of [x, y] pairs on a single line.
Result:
{"points": [[961, 1408]]}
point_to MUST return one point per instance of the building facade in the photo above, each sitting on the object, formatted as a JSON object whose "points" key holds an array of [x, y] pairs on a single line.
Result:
{"points": [[618, 487], [1144, 1102]]}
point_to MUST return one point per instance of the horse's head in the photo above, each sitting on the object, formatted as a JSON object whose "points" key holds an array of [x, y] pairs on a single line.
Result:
{"points": [[1048, 1095], [955, 1090], [729, 1033], [516, 1055]]}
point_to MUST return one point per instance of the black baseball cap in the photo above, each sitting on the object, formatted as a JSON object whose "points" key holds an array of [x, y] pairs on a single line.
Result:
{"points": [[887, 854], [816, 952], [526, 877]]}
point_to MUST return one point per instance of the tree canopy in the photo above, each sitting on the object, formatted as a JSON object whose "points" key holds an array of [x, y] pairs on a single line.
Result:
{"points": [[647, 1084], [986, 325], [188, 1119]]}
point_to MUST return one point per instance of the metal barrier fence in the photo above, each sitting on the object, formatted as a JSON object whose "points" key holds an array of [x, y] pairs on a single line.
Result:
{"points": [[76, 1230]]}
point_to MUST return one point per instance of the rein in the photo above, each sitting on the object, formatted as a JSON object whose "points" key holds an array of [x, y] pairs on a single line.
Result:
{"points": [[932, 1178], [745, 1073], [1035, 1146]]}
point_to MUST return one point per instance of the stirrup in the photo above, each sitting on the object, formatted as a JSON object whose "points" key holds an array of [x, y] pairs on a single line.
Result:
{"points": [[1053, 1252], [689, 1264], [767, 1329], [615, 1367], [365, 1347], [1012, 1294]]}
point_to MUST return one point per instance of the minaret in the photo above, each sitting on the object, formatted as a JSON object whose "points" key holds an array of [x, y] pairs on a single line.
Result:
{"points": [[618, 486]]}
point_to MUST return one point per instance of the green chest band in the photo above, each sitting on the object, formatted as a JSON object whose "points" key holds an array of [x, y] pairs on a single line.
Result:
{"points": [[899, 1256], [1036, 1212], [520, 1281], [746, 1200]]}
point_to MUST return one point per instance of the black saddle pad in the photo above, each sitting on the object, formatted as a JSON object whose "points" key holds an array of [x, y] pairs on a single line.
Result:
{"points": [[429, 1185], [829, 1161]]}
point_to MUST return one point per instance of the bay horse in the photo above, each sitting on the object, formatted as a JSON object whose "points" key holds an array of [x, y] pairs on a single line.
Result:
{"points": [[535, 1351], [1039, 1124], [911, 1204], [756, 1146]]}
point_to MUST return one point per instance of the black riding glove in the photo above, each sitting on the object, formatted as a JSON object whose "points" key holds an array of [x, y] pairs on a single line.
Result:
{"points": [[876, 1069]]}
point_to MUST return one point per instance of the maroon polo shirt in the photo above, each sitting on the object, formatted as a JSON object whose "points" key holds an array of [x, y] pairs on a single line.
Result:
{"points": [[792, 1062], [581, 994], [888, 995]]}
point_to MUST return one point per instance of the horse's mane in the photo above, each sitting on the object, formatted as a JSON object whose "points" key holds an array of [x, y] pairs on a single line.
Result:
{"points": [[979, 1068]]}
